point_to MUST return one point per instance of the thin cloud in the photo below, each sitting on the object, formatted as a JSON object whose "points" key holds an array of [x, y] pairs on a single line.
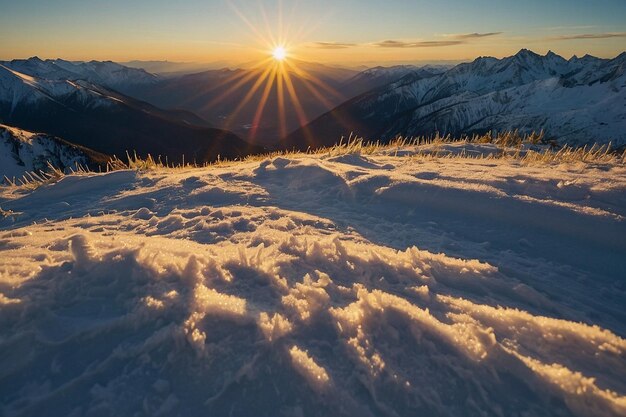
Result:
{"points": [[585, 27], [420, 44], [589, 36], [474, 35], [333, 45]]}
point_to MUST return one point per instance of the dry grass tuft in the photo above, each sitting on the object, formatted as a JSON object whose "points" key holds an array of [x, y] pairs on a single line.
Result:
{"points": [[31, 179], [526, 149]]}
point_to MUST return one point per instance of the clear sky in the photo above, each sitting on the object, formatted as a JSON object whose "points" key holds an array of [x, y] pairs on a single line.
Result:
{"points": [[341, 31]]}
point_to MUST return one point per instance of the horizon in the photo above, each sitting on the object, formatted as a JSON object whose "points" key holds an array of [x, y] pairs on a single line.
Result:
{"points": [[348, 33], [371, 64]]}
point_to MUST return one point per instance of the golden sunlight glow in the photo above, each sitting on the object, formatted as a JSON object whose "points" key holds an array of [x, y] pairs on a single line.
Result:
{"points": [[277, 80], [279, 53]]}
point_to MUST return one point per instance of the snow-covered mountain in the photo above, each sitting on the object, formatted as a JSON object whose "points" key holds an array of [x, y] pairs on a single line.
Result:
{"points": [[109, 122], [105, 73], [575, 101], [20, 89], [22, 151], [375, 77]]}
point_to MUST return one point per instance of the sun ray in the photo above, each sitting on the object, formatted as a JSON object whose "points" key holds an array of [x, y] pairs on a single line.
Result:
{"points": [[303, 74], [231, 79], [298, 107], [245, 77], [253, 90], [317, 94], [325, 101], [281, 75], [285, 36], [233, 115], [281, 29], [249, 24], [294, 97], [304, 30], [270, 33], [280, 91], [259, 66], [261, 106], [313, 84]]}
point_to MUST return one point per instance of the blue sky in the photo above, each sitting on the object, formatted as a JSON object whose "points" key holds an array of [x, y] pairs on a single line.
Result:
{"points": [[324, 30]]}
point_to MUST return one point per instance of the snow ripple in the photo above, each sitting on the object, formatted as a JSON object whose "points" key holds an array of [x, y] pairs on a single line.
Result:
{"points": [[266, 310]]}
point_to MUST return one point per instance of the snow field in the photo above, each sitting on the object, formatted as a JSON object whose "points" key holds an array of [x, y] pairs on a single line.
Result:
{"points": [[351, 285]]}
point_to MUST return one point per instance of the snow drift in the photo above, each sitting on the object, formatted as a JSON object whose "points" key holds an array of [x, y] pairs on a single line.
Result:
{"points": [[317, 285]]}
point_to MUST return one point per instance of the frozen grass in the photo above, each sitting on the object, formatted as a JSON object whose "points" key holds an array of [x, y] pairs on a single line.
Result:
{"points": [[512, 145], [31, 179], [528, 149]]}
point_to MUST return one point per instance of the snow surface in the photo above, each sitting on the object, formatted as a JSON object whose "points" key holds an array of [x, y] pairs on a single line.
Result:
{"points": [[318, 285]]}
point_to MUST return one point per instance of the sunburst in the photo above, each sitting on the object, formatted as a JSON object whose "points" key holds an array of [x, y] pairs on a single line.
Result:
{"points": [[275, 71], [279, 53]]}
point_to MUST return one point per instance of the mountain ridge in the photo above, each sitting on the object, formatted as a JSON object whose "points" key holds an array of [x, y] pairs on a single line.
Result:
{"points": [[488, 94], [208, 93], [105, 73], [109, 122]]}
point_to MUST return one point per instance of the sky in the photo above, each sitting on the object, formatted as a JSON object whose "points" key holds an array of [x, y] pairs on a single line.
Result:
{"points": [[332, 31]]}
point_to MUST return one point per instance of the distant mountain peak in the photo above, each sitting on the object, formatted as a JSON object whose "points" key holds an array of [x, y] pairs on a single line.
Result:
{"points": [[584, 58], [525, 52]]}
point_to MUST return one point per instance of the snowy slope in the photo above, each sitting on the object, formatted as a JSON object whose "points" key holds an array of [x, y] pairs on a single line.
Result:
{"points": [[581, 113], [318, 285], [22, 151], [577, 102], [18, 88]]}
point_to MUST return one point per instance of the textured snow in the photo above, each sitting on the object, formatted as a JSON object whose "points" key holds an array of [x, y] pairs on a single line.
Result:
{"points": [[345, 285]]}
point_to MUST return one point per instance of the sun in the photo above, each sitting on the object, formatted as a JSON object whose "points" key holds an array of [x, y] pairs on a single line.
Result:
{"points": [[272, 76], [279, 53]]}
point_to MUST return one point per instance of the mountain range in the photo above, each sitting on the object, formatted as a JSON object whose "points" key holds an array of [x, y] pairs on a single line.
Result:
{"points": [[104, 120], [108, 109], [577, 101], [105, 73], [227, 97]]}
